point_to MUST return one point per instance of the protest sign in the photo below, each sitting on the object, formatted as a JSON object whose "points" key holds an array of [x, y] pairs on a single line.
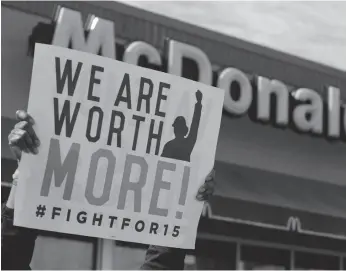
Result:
{"points": [[123, 150]]}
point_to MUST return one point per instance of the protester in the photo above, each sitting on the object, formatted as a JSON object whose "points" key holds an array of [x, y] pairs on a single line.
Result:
{"points": [[17, 243]]}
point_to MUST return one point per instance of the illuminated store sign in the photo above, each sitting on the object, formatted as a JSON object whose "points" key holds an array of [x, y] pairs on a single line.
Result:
{"points": [[303, 109]]}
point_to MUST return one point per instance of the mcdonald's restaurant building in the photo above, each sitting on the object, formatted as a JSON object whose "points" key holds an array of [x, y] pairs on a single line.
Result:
{"points": [[280, 199]]}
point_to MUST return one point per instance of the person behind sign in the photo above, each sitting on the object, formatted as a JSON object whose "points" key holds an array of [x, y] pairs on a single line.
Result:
{"points": [[18, 243]]}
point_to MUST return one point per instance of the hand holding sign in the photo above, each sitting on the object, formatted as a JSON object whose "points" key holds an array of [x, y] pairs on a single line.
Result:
{"points": [[23, 136], [207, 189]]}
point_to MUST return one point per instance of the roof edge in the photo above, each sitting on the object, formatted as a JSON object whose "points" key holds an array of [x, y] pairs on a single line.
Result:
{"points": [[220, 37]]}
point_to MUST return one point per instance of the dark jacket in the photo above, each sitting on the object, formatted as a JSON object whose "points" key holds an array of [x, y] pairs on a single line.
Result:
{"points": [[17, 247], [17, 243]]}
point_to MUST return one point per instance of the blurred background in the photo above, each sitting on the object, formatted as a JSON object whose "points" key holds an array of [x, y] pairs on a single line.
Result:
{"points": [[314, 30], [280, 201]]}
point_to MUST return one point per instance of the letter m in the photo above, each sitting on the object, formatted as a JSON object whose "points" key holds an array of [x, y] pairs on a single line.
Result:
{"points": [[60, 170], [294, 224], [69, 32]]}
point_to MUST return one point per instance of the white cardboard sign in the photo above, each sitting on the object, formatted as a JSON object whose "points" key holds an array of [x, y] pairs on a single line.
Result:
{"points": [[123, 150]]}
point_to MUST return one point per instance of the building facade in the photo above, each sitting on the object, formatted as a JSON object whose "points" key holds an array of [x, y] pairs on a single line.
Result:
{"points": [[280, 200]]}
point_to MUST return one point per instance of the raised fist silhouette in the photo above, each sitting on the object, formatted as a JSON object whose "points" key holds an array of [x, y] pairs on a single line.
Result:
{"points": [[199, 96]]}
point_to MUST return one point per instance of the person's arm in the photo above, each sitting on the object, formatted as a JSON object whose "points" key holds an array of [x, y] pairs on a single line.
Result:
{"points": [[168, 258], [17, 243], [192, 137]]}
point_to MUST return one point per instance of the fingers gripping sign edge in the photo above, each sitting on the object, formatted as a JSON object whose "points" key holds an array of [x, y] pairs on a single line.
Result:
{"points": [[17, 140], [23, 136], [27, 134], [207, 189], [22, 115]]}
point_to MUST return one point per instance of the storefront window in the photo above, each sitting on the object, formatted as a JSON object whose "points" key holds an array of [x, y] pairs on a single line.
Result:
{"points": [[256, 257], [305, 260], [215, 255], [207, 255], [54, 253], [128, 256]]}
